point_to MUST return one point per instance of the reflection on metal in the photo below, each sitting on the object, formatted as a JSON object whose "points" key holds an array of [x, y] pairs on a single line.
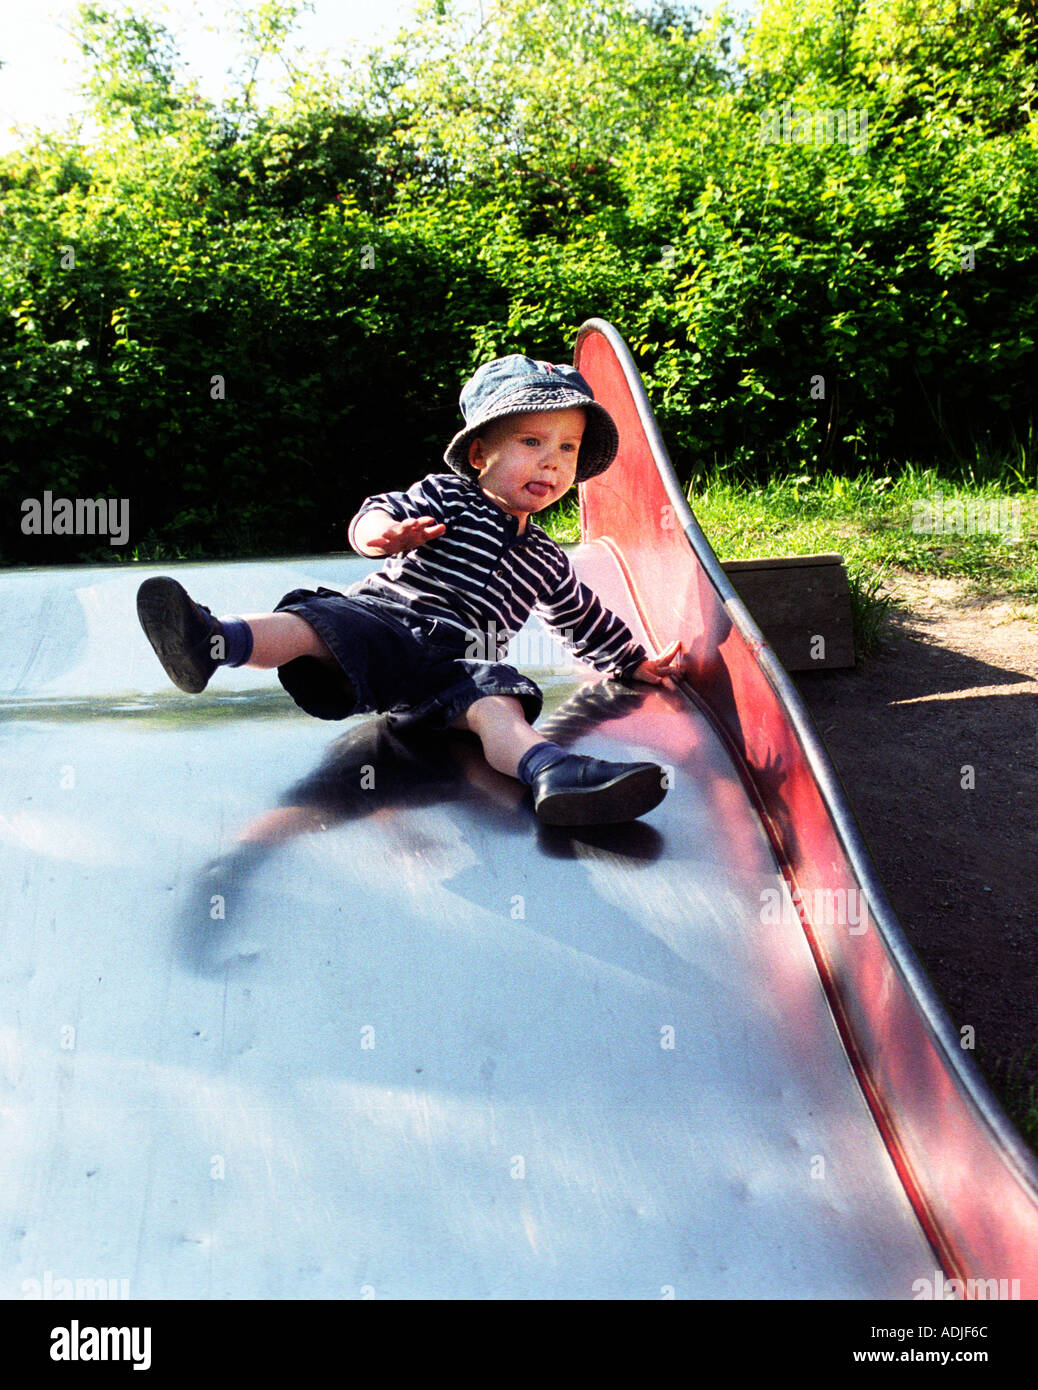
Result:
{"points": [[292, 1016], [972, 1181]]}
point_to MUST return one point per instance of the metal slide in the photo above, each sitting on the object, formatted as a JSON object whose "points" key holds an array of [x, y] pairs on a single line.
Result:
{"points": [[298, 1010]]}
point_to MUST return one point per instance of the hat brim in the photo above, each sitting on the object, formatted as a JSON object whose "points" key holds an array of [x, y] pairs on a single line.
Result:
{"points": [[598, 446]]}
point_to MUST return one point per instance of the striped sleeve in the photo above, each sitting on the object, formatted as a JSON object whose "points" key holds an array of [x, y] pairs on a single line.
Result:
{"points": [[424, 498], [589, 629]]}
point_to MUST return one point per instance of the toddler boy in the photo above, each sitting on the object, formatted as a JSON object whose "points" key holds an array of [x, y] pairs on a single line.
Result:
{"points": [[420, 639]]}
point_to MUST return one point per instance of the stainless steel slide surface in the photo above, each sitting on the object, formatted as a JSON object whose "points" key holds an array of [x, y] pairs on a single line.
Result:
{"points": [[291, 1009]]}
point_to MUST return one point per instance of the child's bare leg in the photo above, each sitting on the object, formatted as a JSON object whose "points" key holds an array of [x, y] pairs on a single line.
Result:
{"points": [[191, 642], [500, 724], [568, 788], [278, 638]]}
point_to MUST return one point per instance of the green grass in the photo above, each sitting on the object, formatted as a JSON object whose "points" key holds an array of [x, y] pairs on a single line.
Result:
{"points": [[910, 518], [879, 522], [562, 521], [984, 531], [1018, 1095]]}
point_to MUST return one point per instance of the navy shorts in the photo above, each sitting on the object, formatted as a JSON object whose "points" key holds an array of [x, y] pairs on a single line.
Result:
{"points": [[400, 663]]}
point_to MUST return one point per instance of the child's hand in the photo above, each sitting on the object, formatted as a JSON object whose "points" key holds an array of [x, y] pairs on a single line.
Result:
{"points": [[662, 669], [397, 536]]}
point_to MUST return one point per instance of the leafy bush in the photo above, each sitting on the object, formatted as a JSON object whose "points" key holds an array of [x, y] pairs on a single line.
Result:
{"points": [[817, 235]]}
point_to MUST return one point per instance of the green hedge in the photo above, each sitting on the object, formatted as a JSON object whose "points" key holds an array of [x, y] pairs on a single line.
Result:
{"points": [[246, 321]]}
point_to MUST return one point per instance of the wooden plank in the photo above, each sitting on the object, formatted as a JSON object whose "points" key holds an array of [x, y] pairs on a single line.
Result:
{"points": [[783, 562]]}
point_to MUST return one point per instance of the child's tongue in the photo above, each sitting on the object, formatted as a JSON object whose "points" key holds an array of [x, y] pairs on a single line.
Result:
{"points": [[538, 489]]}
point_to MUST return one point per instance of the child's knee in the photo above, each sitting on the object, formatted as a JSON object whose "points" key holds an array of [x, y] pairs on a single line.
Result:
{"points": [[490, 710], [309, 640]]}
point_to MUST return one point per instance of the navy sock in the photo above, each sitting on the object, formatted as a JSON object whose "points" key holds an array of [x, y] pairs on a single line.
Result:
{"points": [[237, 636], [536, 759]]}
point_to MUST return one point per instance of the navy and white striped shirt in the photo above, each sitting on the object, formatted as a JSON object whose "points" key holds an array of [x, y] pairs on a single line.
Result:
{"points": [[485, 577]]}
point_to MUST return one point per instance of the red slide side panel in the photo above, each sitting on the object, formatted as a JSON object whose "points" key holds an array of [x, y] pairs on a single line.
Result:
{"points": [[972, 1182]]}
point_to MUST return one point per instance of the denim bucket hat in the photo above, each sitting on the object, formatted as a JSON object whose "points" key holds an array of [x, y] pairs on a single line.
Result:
{"points": [[516, 385]]}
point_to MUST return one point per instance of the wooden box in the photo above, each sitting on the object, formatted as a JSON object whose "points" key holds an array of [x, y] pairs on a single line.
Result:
{"points": [[803, 607]]}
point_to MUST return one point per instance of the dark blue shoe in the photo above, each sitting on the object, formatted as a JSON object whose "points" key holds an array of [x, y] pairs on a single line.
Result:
{"points": [[587, 791], [181, 631]]}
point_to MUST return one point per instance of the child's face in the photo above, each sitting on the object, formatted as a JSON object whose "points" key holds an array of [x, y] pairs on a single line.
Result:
{"points": [[526, 462]]}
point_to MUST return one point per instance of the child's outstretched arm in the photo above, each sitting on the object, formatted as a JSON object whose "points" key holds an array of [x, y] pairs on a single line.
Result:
{"points": [[377, 533], [391, 523]]}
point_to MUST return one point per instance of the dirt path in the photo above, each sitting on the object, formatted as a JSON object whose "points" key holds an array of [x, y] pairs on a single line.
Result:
{"points": [[936, 742]]}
